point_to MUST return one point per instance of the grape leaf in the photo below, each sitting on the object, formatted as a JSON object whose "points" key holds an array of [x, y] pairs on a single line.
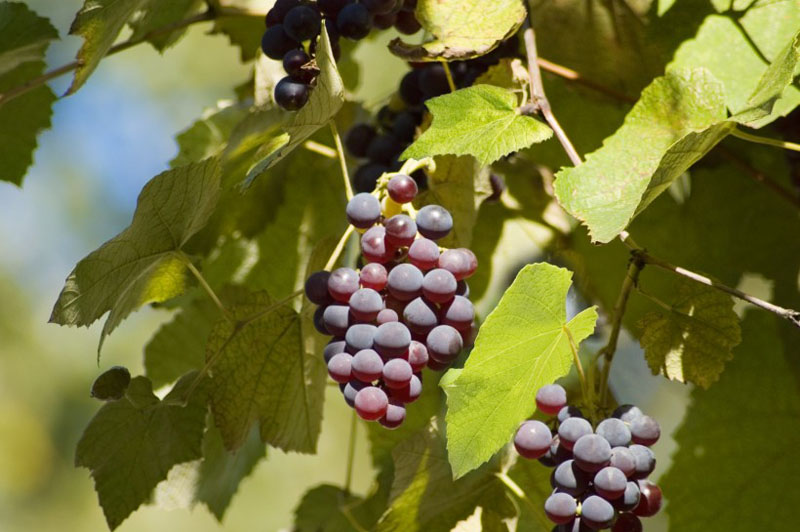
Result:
{"points": [[159, 15], [534, 479], [111, 384], [748, 418], [461, 29], [99, 23], [523, 344], [509, 73], [131, 444], [262, 373], [693, 340], [326, 99], [24, 36], [482, 120], [209, 135], [322, 510], [242, 31], [677, 120], [142, 264]]}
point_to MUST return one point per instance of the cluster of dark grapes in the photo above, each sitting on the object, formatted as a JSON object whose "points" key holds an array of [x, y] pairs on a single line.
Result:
{"points": [[600, 476], [379, 145], [291, 23], [407, 308]]}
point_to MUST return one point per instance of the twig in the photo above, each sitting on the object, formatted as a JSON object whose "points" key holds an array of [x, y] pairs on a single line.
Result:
{"points": [[351, 453], [321, 149], [642, 255], [449, 75], [765, 140], [348, 189], [578, 365], [571, 75], [205, 285], [539, 99]]}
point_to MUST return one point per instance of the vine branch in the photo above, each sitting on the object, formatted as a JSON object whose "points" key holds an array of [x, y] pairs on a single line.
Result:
{"points": [[776, 143]]}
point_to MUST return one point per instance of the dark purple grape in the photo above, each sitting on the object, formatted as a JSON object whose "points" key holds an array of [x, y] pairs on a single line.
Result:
{"points": [[279, 11], [375, 248], [597, 512], [319, 320], [557, 454], [351, 389], [340, 367], [424, 254], [560, 508], [397, 373], [358, 139], [360, 336], [374, 276], [392, 339], [610, 483], [379, 7], [551, 398], [615, 431], [461, 262], [336, 319], [568, 412], [630, 498], [533, 439], [458, 313], [434, 222], [384, 149], [572, 429], [407, 23], [417, 355], [371, 403], [405, 282], [366, 176], [627, 522], [420, 316], [386, 315], [592, 452], [627, 413], [435, 365], [354, 21], [293, 62], [444, 344], [331, 7], [367, 365], [410, 92], [363, 210], [645, 430], [365, 304], [334, 347], [276, 42], [644, 459], [439, 286], [400, 230], [302, 23], [571, 479], [402, 189], [404, 127], [433, 81], [395, 415], [649, 501], [290, 94], [410, 393], [342, 283], [463, 289], [623, 459], [384, 22]]}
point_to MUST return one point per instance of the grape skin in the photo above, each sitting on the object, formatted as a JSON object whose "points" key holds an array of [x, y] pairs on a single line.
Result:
{"points": [[363, 210], [615, 431], [371, 403], [623, 459], [392, 339], [395, 415], [405, 282], [424, 254], [627, 413], [439, 285], [334, 347], [367, 365], [560, 508], [342, 283], [458, 313], [630, 498], [402, 188], [645, 430], [644, 459], [365, 304], [533, 439], [569, 478], [568, 412], [374, 275], [444, 344], [420, 316], [573, 429], [340, 367], [591, 452], [400, 230], [397, 373], [410, 393], [610, 483], [374, 246], [434, 222], [650, 499], [551, 398], [336, 319], [316, 288], [351, 389], [417, 355], [385, 316], [627, 522], [597, 512], [360, 336]]}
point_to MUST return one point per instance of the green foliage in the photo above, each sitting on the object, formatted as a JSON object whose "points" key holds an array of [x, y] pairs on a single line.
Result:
{"points": [[524, 344], [326, 509], [111, 384], [482, 120], [24, 36], [156, 16], [461, 29]]}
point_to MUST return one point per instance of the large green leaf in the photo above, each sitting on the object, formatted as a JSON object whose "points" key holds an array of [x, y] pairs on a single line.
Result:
{"points": [[142, 264], [131, 444], [326, 508], [262, 373], [24, 36], [99, 22], [677, 120], [525, 343], [209, 135], [244, 32], [482, 120], [534, 479], [739, 440], [693, 339], [461, 29], [159, 15]]}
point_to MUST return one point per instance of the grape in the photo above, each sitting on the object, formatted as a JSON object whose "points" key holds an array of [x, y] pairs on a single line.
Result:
{"points": [[458, 313], [533, 439], [439, 286], [374, 276], [405, 282], [291, 95], [610, 483], [650, 499], [420, 316], [460, 262], [353, 21], [279, 10], [627, 413], [351, 389], [572, 429], [560, 508], [365, 304], [358, 139], [424, 254], [331, 7], [276, 43], [551, 398], [395, 415], [366, 176], [630, 498], [627, 522], [410, 393], [592, 452], [597, 512], [400, 230], [374, 246], [444, 344], [433, 81], [379, 7], [402, 188], [644, 459], [385, 117], [336, 319], [435, 365], [384, 22], [371, 403], [386, 315], [615, 431], [397, 373], [334, 347], [293, 62], [340, 367], [360, 336], [410, 92], [395, 304], [556, 455], [363, 210], [463, 289], [392, 339], [404, 127], [417, 355], [367, 365], [645, 430], [342, 283], [301, 23], [434, 222], [567, 412], [319, 320], [569, 478], [407, 23], [623, 459], [383, 149]]}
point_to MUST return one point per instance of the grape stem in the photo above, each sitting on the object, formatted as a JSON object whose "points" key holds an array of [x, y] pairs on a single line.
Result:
{"points": [[321, 149], [339, 248], [449, 75], [351, 452], [342, 161], [581, 375], [765, 140], [207, 287]]}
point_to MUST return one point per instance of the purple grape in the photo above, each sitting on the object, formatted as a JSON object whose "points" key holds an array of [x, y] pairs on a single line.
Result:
{"points": [[397, 373], [571, 479], [342, 283], [592, 452], [597, 512], [458, 313], [649, 500], [462, 289], [360, 336], [615, 431], [610, 483], [424, 254], [572, 429], [358, 139], [392, 339], [533, 439], [402, 188], [461, 262], [568, 412], [374, 276], [439, 285], [630, 498], [551, 398], [367, 365], [557, 454], [444, 344], [334, 347], [434, 222], [623, 459], [645, 430], [410, 393], [407, 22], [417, 355], [627, 413], [302, 23], [316, 288], [395, 415], [386, 315], [379, 7], [363, 210], [405, 282], [371, 403], [644, 459], [365, 304], [420, 316], [374, 246], [351, 389], [340, 367], [336, 319], [627, 522], [319, 320], [560, 508], [400, 230]]}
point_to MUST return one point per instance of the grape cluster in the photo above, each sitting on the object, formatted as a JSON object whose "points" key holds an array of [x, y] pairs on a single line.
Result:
{"points": [[600, 474], [407, 308], [291, 23]]}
